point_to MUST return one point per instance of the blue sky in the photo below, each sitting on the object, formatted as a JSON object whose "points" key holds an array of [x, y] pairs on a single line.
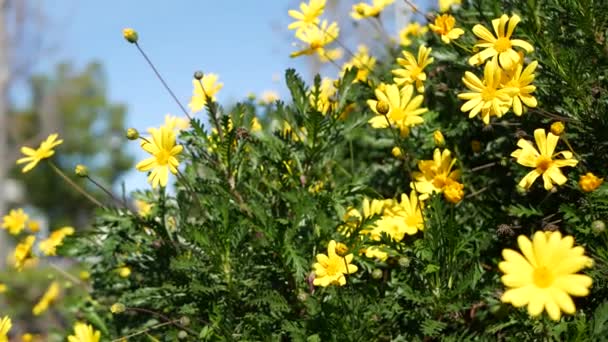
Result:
{"points": [[246, 42]]}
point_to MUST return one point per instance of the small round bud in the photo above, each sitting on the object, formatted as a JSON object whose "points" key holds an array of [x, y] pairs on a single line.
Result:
{"points": [[598, 227], [117, 308], [404, 261], [84, 275], [124, 272], [182, 335], [81, 171], [184, 321], [341, 249], [382, 107], [557, 128], [198, 75], [377, 273], [132, 134], [397, 152], [130, 35], [302, 296], [438, 138], [476, 146]]}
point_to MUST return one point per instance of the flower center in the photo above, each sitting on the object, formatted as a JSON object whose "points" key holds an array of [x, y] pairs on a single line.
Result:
{"points": [[488, 94], [544, 163], [333, 266], [439, 181], [502, 44], [162, 157], [413, 220], [542, 277]]}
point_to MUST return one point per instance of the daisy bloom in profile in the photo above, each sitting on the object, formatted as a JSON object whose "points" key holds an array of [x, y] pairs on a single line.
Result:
{"points": [[316, 38], [331, 268], [411, 30], [453, 191], [363, 61], [543, 160], [15, 221], [444, 26], [363, 10], [486, 97], [5, 326], [23, 252], [84, 333], [308, 15], [520, 79], [164, 151], [33, 157], [412, 68], [49, 246], [589, 182], [501, 45], [49, 297], [399, 106], [435, 175], [408, 211], [544, 275], [200, 94]]}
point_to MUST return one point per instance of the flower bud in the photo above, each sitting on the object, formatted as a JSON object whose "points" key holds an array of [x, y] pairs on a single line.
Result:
{"points": [[81, 171], [589, 182], [182, 335], [130, 35], [184, 321], [476, 146], [199, 75], [382, 107], [132, 134], [397, 152], [341, 249], [438, 138], [124, 272], [302, 296], [557, 128], [377, 273], [117, 308], [404, 261], [598, 227]]}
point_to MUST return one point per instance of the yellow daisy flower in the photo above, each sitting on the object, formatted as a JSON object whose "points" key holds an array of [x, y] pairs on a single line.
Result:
{"points": [[5, 326], [411, 30], [49, 297], [521, 79], [176, 123], [412, 69], [402, 108], [487, 97], [308, 15], [363, 61], [33, 157], [444, 5], [84, 333], [200, 96], [15, 221], [543, 160], [316, 38], [331, 268], [501, 46], [435, 175], [363, 10], [23, 252], [453, 191], [444, 26], [544, 275], [49, 246], [164, 153], [589, 182]]}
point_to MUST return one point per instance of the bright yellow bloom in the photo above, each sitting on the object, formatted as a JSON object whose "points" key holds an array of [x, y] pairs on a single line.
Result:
{"points": [[130, 35], [27, 337], [444, 5], [143, 208], [15, 221], [543, 159], [397, 152], [558, 128], [49, 246], [324, 101], [400, 218], [412, 69], [308, 16], [124, 272], [5, 326], [444, 26], [164, 153], [84, 333], [176, 123], [363, 61], [438, 138], [404, 111], [117, 308], [316, 38], [269, 97], [363, 10], [49, 297], [330, 55], [486, 97], [33, 226], [453, 191], [435, 175], [501, 46], [200, 96], [545, 276], [521, 81], [411, 30], [23, 252], [589, 182], [256, 126], [3, 288], [33, 157], [331, 268]]}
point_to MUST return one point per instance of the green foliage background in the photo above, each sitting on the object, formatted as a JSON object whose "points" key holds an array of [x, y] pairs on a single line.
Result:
{"points": [[228, 255]]}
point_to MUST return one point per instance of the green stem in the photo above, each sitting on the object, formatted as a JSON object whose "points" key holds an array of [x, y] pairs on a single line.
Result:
{"points": [[74, 185]]}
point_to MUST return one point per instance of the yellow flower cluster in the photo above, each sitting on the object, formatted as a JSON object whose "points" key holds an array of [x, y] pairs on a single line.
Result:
{"points": [[49, 246], [315, 34], [445, 27], [506, 84], [437, 176]]}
